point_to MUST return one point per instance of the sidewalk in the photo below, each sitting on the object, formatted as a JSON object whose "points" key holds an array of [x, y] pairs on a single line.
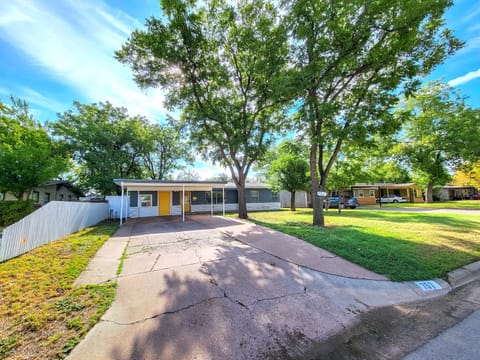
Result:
{"points": [[460, 342]]}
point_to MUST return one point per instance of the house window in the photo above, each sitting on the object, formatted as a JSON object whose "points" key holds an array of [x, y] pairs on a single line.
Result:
{"points": [[360, 193], [146, 200], [274, 197], [217, 197], [69, 197], [36, 197], [46, 197], [371, 193], [254, 196], [60, 197]]}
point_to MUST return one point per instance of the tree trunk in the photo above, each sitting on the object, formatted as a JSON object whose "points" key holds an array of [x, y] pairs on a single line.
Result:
{"points": [[242, 203], [341, 201], [317, 203], [292, 201], [429, 192]]}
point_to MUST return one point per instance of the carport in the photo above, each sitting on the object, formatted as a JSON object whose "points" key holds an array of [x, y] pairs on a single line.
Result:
{"points": [[155, 197]]}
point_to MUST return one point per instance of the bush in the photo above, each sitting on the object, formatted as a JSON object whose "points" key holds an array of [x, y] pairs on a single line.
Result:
{"points": [[12, 211]]}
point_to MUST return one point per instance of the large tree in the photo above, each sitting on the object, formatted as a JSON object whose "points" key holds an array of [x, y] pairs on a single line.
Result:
{"points": [[28, 155], [442, 132], [287, 169], [353, 58], [467, 175], [169, 151], [106, 143], [220, 63]]}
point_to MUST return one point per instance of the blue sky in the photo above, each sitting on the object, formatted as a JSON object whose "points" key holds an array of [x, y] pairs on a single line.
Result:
{"points": [[56, 51]]}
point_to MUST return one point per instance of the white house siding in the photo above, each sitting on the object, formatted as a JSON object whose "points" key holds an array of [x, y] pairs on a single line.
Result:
{"points": [[216, 208], [177, 210], [263, 206], [148, 211]]}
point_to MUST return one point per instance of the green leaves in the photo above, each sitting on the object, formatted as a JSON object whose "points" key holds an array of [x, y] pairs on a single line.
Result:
{"points": [[28, 156], [223, 70], [108, 143], [441, 132]]}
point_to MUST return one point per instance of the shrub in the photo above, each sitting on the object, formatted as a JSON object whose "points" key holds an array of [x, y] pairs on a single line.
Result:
{"points": [[12, 211]]}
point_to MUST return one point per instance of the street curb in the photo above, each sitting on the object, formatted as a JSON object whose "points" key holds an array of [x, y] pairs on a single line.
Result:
{"points": [[464, 275]]}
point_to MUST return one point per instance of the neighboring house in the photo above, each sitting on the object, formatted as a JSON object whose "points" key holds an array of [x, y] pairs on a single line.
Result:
{"points": [[158, 197], [454, 192], [55, 190], [367, 194]]}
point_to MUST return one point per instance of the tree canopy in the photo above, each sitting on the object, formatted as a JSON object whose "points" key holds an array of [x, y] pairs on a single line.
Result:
{"points": [[28, 155], [468, 175], [352, 59], [108, 143], [221, 63], [288, 168], [441, 133]]}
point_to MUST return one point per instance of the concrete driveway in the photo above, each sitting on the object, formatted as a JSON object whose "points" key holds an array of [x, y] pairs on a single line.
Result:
{"points": [[193, 291]]}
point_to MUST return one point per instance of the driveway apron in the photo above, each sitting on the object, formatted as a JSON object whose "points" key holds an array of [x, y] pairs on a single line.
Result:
{"points": [[191, 290]]}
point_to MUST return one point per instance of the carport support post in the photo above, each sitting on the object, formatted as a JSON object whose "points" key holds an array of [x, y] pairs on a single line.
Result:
{"points": [[121, 205], [183, 202], [223, 199], [211, 202]]}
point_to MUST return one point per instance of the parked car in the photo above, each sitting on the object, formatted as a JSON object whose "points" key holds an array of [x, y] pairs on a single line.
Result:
{"points": [[348, 201], [392, 199], [475, 197]]}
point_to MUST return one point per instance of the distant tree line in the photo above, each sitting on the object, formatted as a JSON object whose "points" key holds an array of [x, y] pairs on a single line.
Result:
{"points": [[342, 78], [91, 144]]}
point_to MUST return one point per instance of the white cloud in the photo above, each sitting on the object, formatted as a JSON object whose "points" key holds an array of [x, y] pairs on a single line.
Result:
{"points": [[45, 102], [74, 42], [465, 78], [473, 12]]}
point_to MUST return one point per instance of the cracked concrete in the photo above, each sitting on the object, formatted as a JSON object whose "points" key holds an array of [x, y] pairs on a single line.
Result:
{"points": [[193, 291]]}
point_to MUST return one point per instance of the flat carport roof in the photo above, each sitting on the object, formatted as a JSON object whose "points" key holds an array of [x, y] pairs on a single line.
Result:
{"points": [[166, 185]]}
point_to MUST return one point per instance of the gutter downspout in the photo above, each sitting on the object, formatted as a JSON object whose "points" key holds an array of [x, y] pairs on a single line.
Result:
{"points": [[121, 205], [183, 202], [211, 202], [223, 199]]}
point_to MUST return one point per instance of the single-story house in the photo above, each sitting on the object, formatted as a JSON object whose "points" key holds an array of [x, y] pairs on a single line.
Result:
{"points": [[367, 194], [55, 190], [454, 192], [159, 197]]}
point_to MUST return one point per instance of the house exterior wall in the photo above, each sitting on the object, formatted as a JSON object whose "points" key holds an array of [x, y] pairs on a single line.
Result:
{"points": [[44, 194], [257, 199], [447, 193], [369, 195]]}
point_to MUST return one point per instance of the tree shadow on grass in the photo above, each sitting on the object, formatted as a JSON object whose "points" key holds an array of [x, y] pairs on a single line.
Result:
{"points": [[398, 259], [452, 220]]}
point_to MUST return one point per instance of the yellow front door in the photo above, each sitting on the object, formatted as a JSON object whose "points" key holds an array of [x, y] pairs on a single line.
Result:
{"points": [[164, 203], [187, 201]]}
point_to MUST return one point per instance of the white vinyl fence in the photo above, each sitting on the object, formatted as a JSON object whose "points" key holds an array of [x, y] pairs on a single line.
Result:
{"points": [[115, 205], [51, 222]]}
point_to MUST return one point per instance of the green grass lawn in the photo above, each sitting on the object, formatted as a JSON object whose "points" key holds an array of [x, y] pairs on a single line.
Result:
{"points": [[457, 204], [41, 315], [402, 246]]}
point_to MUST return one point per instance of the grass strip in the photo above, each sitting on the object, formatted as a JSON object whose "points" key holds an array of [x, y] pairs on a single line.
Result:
{"points": [[42, 315], [401, 245]]}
